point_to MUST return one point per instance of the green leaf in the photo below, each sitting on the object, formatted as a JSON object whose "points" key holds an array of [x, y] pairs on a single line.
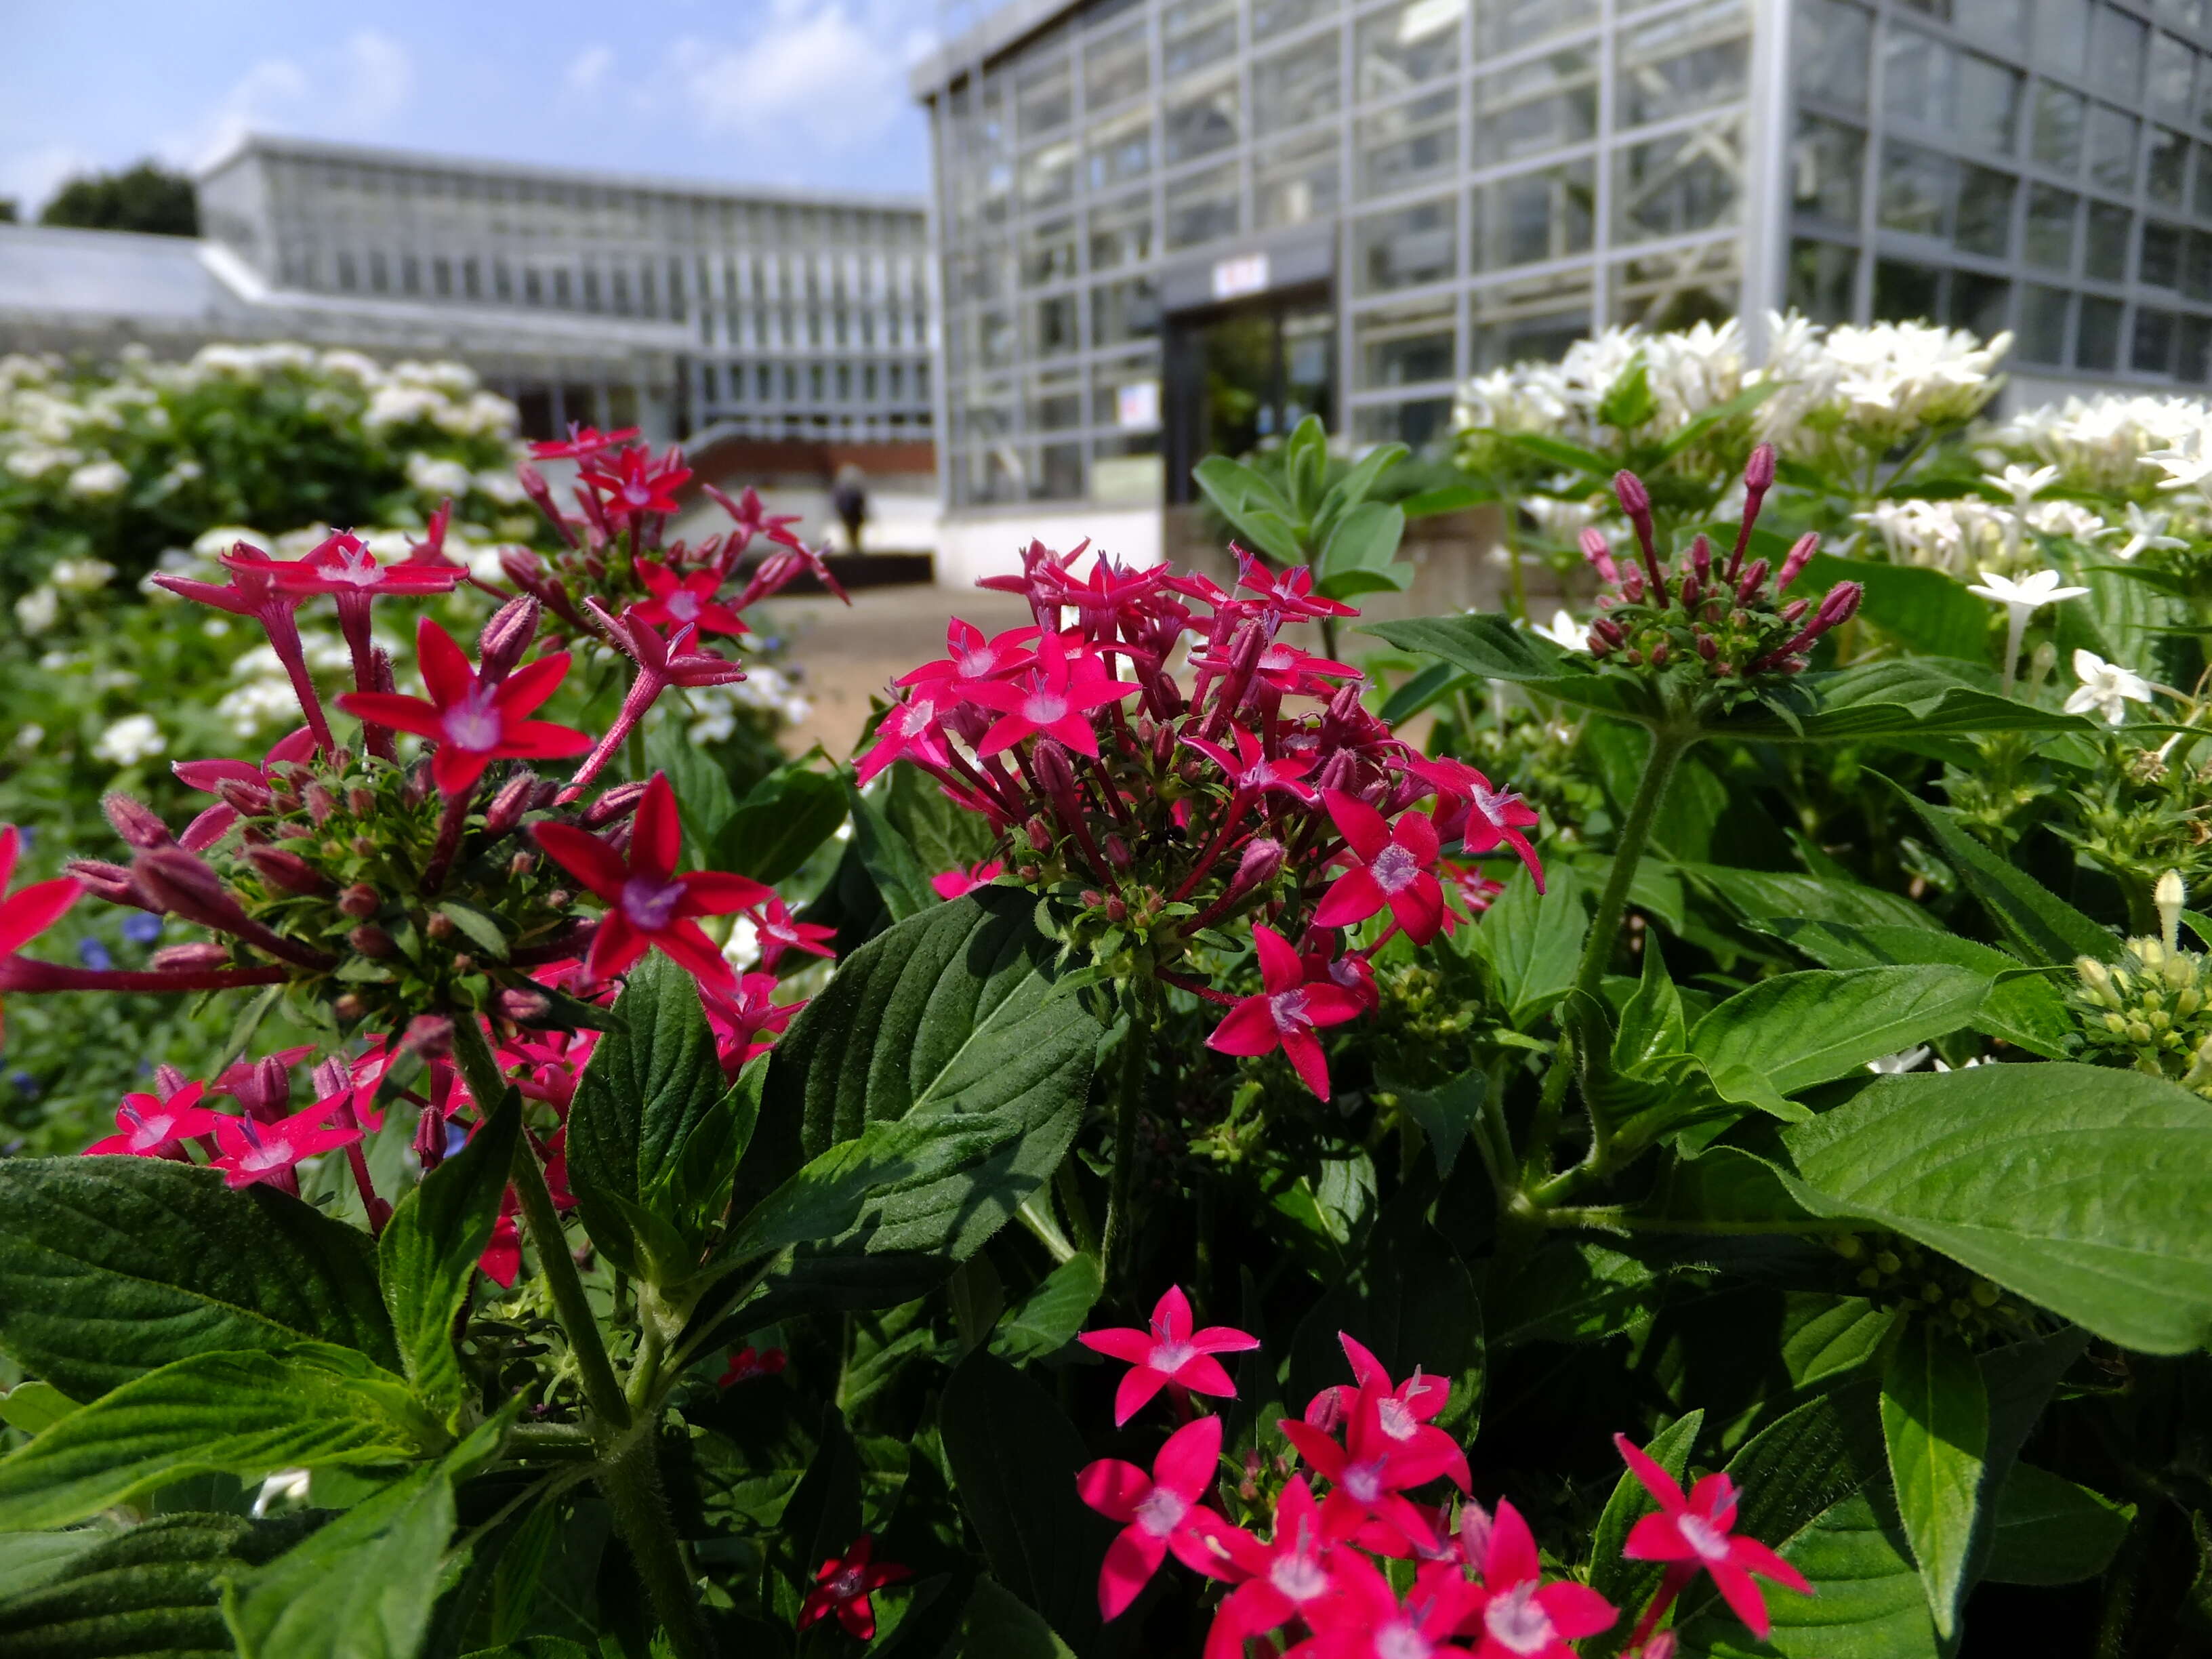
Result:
{"points": [[1936, 1423], [2050, 1531], [1045, 1320], [890, 858], [428, 1254], [1629, 1584], [480, 928], [2023, 1007], [1923, 610], [1824, 1336], [1571, 1291], [1797, 1029], [2035, 922], [1249, 503], [1916, 698], [360, 1588], [1445, 1115], [1535, 941], [655, 1128], [703, 800], [1651, 1024], [1365, 544], [1489, 647], [1423, 690], [34, 1406], [2083, 1189], [112, 1267], [997, 1625], [28, 1559], [151, 1592], [1358, 484], [1867, 1602], [781, 822], [1014, 1457], [944, 835], [1305, 462], [1763, 895], [245, 1414]]}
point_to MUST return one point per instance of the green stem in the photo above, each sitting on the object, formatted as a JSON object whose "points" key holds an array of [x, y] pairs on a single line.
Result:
{"points": [[602, 1393], [1143, 994], [1668, 744], [630, 1480], [1510, 513]]}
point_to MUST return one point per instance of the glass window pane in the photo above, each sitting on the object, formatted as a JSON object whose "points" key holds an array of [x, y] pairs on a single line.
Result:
{"points": [[1548, 103], [1918, 189], [2196, 266], [1120, 149], [1404, 345], [1047, 253], [1821, 274], [1044, 99], [1689, 60], [1296, 182], [1904, 293], [1200, 122], [1826, 162], [1830, 44], [1988, 103], [1048, 176], [1055, 402], [1978, 303], [1202, 207], [1417, 424], [2172, 76], [1534, 320], [2166, 167], [1295, 87], [1534, 217], [1920, 78], [2097, 335], [2042, 336], [2153, 349], [1123, 311], [1406, 45], [1272, 19], [1409, 143], [1121, 232], [2203, 197], [2062, 33], [2001, 22], [2193, 353], [2158, 262], [1985, 211], [1196, 32], [1503, 25], [1683, 182], [2059, 116], [2115, 53], [1115, 67], [1059, 474], [1678, 289], [1405, 247], [2112, 147], [2105, 247], [2050, 216]]}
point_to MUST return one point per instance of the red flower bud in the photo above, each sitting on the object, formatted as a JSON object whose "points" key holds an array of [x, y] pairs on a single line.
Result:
{"points": [[110, 882], [1759, 470], [522, 1005], [202, 956], [1635, 499], [243, 796], [361, 800], [320, 802], [618, 802], [371, 940], [1806, 545], [1795, 609], [505, 638], [360, 901], [431, 1036], [286, 870], [1599, 552], [137, 823], [438, 926], [508, 806], [1755, 578], [1701, 561]]}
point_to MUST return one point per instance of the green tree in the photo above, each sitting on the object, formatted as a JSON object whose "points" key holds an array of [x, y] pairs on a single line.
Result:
{"points": [[147, 198]]}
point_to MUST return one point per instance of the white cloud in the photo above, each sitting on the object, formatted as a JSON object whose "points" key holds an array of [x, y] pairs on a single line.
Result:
{"points": [[821, 77], [587, 70], [355, 90]]}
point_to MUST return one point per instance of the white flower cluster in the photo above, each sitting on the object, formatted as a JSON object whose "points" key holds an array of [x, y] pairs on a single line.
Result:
{"points": [[715, 708], [2105, 443]]}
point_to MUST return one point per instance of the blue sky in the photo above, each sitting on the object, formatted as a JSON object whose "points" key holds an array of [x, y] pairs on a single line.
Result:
{"points": [[803, 93]]}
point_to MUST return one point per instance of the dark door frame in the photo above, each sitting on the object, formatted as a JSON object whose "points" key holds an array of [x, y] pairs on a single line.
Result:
{"points": [[1183, 372]]}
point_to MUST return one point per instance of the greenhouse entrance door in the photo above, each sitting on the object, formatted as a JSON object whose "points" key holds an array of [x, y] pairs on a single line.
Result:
{"points": [[1240, 377]]}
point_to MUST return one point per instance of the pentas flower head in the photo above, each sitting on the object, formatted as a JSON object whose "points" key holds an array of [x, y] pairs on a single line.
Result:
{"points": [[152, 1126], [633, 485], [1252, 771], [472, 723], [227, 778], [970, 657], [1292, 1004], [582, 443], [250, 1152], [650, 905], [1169, 1353], [1698, 1530], [1481, 817], [1288, 593], [679, 601], [1160, 1512], [750, 1362], [746, 1019], [342, 564], [1291, 1575], [1515, 1613], [1052, 697], [1391, 865], [843, 1586], [1363, 1617], [779, 932]]}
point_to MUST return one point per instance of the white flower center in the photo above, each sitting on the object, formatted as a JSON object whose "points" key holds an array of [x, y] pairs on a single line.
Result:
{"points": [[1516, 1622], [1396, 1417], [360, 569], [847, 1584], [1288, 1010], [974, 663], [1710, 1542], [272, 1156], [151, 1132], [1395, 869], [1161, 1511], [1299, 1577], [1399, 1640], [1363, 1482], [1169, 1358], [471, 724], [683, 605], [650, 905], [1044, 707]]}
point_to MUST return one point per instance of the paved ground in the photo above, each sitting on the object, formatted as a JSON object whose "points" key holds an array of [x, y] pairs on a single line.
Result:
{"points": [[848, 654]]}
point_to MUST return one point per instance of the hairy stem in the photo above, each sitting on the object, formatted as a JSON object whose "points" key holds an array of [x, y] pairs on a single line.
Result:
{"points": [[631, 1482], [1142, 999], [1667, 745]]}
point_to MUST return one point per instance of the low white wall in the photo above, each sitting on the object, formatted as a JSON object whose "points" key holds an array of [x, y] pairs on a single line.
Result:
{"points": [[972, 543]]}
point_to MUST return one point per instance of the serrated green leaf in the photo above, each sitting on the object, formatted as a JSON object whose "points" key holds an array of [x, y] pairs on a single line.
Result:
{"points": [[110, 1267], [28, 1559], [1571, 1291], [1535, 941], [1936, 1423], [1651, 1022], [888, 858], [1797, 1029], [1762, 895], [2083, 1189], [1488, 647], [2035, 922], [245, 1414], [2023, 1006]]}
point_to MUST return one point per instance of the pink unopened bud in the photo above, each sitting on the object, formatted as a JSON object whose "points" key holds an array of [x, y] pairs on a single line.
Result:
{"points": [[1707, 646], [1040, 834], [371, 940], [1055, 775], [1701, 561], [286, 870], [522, 1005], [245, 797], [137, 823], [1660, 653], [1599, 552], [360, 901], [1632, 584], [1800, 553], [431, 1036], [1262, 859], [618, 802], [1660, 1646], [1795, 609], [191, 958], [109, 881], [506, 637], [1117, 852], [1841, 603], [320, 802], [438, 925], [1759, 470], [1692, 590], [361, 800], [1609, 631], [1597, 644], [177, 881], [508, 806], [1755, 578], [1635, 499]]}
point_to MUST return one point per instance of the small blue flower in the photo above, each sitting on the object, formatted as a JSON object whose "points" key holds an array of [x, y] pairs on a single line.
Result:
{"points": [[140, 928], [456, 1138], [26, 837], [25, 1085], [93, 955]]}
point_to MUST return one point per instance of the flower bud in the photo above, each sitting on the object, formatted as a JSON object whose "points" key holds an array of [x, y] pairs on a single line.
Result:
{"points": [[349, 1008], [1707, 646], [2169, 897], [1632, 584], [1754, 579], [616, 803], [370, 940], [243, 796], [522, 863], [1609, 631], [138, 824], [1840, 605], [1040, 835], [559, 899], [198, 957], [360, 901], [1635, 499], [508, 806], [464, 963], [1692, 590], [320, 803], [1759, 470], [506, 637], [1701, 562], [1117, 852], [286, 870], [1055, 775], [521, 1004], [1795, 609], [431, 1036], [176, 880], [1660, 653], [1596, 549], [110, 882], [361, 800], [544, 794], [438, 926], [1801, 554], [1262, 859]]}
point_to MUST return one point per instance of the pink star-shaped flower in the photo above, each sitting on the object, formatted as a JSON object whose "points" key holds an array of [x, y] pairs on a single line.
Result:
{"points": [[1253, 771], [953, 883], [969, 656], [1169, 1353], [147, 1126], [780, 932], [1698, 1530], [248, 1152], [1517, 1615], [473, 723], [1160, 1512], [910, 730], [1055, 697], [677, 600], [1393, 866], [843, 1586], [1291, 1005]]}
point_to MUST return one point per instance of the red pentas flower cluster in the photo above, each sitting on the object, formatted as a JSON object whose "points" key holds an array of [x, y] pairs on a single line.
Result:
{"points": [[1155, 754], [1314, 1585], [1715, 620], [458, 904]]}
